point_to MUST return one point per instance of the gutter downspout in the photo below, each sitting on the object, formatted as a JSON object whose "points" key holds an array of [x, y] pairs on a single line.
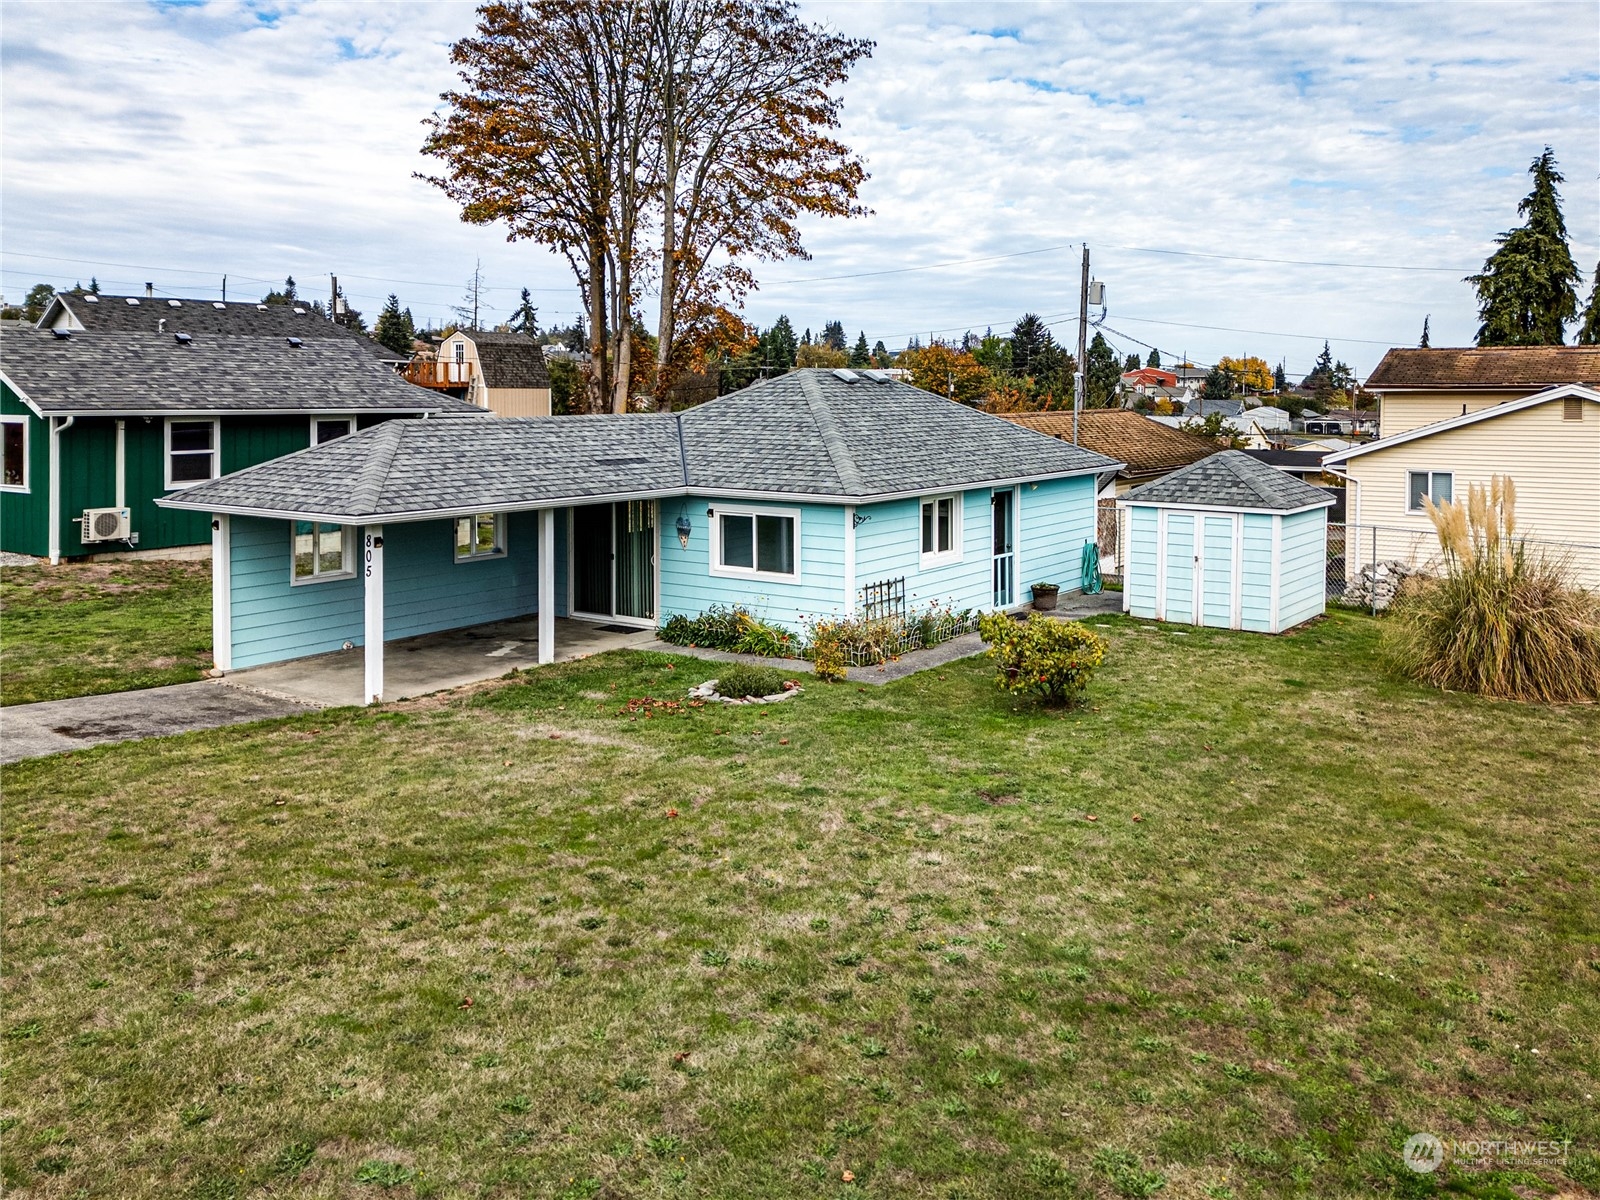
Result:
{"points": [[122, 464], [54, 535]]}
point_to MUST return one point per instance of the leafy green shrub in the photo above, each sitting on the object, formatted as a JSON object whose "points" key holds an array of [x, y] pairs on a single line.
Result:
{"points": [[738, 681], [1055, 659], [1503, 621], [828, 659], [758, 637], [722, 627]]}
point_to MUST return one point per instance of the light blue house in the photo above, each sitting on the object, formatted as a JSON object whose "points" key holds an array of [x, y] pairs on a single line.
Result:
{"points": [[1228, 542], [792, 498]]}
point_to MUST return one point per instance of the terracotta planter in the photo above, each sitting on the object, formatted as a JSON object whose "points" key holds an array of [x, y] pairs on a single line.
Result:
{"points": [[1044, 598]]}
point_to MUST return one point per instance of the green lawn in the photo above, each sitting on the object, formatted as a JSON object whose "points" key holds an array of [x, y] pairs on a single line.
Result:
{"points": [[464, 948], [80, 629]]}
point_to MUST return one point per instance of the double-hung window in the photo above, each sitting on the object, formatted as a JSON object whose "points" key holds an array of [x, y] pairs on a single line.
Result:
{"points": [[941, 529], [482, 535], [322, 552], [191, 452], [14, 435], [756, 542], [1422, 486]]}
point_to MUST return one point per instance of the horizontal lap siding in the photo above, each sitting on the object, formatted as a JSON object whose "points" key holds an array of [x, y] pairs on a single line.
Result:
{"points": [[1180, 567], [1302, 580], [687, 585], [273, 620], [425, 590], [1058, 517], [1143, 529], [1255, 600], [889, 546], [1217, 579]]}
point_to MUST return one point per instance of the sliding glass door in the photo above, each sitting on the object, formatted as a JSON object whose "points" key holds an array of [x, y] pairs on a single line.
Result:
{"points": [[614, 560]]}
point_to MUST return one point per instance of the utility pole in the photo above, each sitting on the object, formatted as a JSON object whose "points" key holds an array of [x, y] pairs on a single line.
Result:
{"points": [[1080, 378], [333, 299], [224, 289]]}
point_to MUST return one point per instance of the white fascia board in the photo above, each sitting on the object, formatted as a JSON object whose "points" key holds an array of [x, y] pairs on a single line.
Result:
{"points": [[1224, 508], [1471, 418], [182, 413], [25, 398]]}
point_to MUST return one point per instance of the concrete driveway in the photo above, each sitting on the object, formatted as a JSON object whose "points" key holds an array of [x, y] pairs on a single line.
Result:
{"points": [[56, 726]]}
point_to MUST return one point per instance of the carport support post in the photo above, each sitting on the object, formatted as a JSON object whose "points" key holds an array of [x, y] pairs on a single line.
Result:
{"points": [[547, 585], [372, 648]]}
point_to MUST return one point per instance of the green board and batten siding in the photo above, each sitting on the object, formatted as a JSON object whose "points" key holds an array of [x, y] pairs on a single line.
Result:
{"points": [[25, 516]]}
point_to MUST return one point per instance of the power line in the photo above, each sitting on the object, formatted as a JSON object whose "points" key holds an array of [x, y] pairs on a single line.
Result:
{"points": [[963, 262], [1290, 262]]}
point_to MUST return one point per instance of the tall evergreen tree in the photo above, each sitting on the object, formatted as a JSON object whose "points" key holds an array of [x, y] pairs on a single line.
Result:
{"points": [[1589, 329], [525, 317], [861, 353], [1218, 385], [287, 296], [1103, 371], [1029, 337], [880, 354], [1528, 288], [1423, 344], [394, 329], [1280, 379], [779, 345], [1153, 359], [1132, 364], [833, 336]]}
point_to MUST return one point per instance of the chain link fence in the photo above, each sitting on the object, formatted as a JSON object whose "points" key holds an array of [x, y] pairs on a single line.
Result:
{"points": [[1367, 564]]}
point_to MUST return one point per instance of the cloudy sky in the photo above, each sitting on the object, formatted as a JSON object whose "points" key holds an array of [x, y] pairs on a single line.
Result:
{"points": [[1250, 179]]}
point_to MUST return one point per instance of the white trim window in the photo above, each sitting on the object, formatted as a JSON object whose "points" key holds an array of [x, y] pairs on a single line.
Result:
{"points": [[756, 543], [326, 429], [14, 435], [192, 451], [320, 553], [1422, 486], [940, 525], [480, 536]]}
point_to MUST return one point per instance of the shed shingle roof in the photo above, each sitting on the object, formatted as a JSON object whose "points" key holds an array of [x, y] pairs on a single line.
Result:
{"points": [[1147, 447], [139, 372], [509, 360], [1231, 479], [1487, 367], [803, 435]]}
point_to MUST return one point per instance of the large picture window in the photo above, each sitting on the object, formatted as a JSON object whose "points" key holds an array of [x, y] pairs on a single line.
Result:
{"points": [[482, 535], [14, 435], [1422, 486], [191, 452], [941, 529], [756, 542], [321, 552]]}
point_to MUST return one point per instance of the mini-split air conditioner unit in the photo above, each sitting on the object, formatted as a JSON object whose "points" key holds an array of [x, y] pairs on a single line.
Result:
{"points": [[107, 525]]}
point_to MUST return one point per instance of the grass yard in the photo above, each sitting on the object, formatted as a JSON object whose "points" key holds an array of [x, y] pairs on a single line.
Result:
{"points": [[539, 941], [80, 629]]}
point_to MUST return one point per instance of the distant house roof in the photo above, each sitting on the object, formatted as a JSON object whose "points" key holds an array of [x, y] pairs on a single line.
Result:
{"points": [[509, 360], [815, 434], [1486, 367], [1290, 460], [1147, 448], [154, 373], [1231, 479], [99, 313], [1573, 393], [1199, 406], [1150, 377]]}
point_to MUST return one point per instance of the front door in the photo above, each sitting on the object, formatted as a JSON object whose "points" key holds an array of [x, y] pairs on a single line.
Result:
{"points": [[614, 560], [1005, 559]]}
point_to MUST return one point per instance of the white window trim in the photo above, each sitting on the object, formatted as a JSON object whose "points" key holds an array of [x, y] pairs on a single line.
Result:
{"points": [[315, 417], [27, 455], [958, 517], [346, 555], [719, 511], [501, 540], [166, 456], [1405, 495]]}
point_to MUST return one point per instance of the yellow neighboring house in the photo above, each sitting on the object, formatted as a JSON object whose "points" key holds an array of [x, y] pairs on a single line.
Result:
{"points": [[1497, 418], [501, 371]]}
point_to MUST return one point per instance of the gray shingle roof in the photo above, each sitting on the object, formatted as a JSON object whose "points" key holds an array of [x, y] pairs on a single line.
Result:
{"points": [[509, 360], [815, 432], [1230, 479], [141, 372], [809, 437]]}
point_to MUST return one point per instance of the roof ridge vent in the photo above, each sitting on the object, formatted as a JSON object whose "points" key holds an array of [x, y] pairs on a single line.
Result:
{"points": [[368, 489], [832, 437]]}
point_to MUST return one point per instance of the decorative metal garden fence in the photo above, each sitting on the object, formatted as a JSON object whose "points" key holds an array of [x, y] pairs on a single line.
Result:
{"points": [[880, 601]]}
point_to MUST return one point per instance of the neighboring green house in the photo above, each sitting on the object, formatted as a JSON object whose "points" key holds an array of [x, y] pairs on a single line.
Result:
{"points": [[112, 401]]}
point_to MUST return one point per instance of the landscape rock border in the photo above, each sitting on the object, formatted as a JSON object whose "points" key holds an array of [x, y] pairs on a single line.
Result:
{"points": [[708, 691]]}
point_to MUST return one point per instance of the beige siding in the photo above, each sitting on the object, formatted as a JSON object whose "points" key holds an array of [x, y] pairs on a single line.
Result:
{"points": [[1401, 412], [519, 402], [1554, 462]]}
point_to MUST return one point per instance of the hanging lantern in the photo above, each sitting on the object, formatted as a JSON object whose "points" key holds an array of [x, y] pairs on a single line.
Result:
{"points": [[684, 530]]}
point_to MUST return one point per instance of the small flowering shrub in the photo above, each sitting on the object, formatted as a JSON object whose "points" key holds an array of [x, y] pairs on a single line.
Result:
{"points": [[828, 655], [1054, 659], [723, 628]]}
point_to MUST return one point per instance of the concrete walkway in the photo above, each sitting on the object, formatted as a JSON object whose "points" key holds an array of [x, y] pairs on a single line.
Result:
{"points": [[56, 726]]}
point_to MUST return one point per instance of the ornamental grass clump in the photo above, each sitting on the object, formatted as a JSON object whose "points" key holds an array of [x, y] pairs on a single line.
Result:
{"points": [[1053, 659], [1504, 620]]}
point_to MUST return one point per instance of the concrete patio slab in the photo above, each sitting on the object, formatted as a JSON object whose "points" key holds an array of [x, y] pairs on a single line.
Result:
{"points": [[56, 726], [437, 661]]}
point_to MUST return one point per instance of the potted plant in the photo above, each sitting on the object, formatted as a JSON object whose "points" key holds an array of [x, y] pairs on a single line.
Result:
{"points": [[1044, 596]]}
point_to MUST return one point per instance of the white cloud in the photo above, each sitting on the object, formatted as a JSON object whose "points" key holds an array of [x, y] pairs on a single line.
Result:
{"points": [[268, 139]]}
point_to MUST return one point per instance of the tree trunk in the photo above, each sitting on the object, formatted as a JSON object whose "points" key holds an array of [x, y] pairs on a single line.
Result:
{"points": [[597, 375]]}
